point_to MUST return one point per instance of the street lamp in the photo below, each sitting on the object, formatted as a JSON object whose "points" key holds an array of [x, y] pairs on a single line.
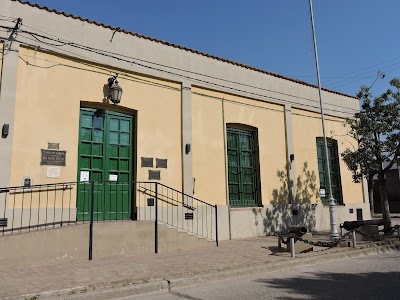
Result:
{"points": [[114, 90], [332, 205]]}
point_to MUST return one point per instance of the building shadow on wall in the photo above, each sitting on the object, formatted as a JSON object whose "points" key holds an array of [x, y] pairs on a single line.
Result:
{"points": [[280, 214]]}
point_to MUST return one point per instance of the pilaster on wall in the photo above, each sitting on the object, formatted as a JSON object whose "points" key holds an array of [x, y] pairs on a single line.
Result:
{"points": [[8, 89], [187, 175], [290, 153], [366, 214]]}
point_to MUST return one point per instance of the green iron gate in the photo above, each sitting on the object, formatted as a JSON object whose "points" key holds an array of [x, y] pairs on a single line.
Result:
{"points": [[105, 156]]}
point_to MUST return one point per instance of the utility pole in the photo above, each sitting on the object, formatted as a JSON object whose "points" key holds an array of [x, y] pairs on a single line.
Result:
{"points": [[332, 205]]}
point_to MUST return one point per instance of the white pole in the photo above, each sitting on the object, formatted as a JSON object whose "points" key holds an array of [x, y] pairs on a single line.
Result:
{"points": [[332, 205], [292, 250], [354, 239]]}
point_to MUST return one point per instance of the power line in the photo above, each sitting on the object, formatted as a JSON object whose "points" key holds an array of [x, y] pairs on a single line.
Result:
{"points": [[104, 53], [386, 72], [59, 39], [383, 68], [375, 65], [285, 94], [105, 71]]}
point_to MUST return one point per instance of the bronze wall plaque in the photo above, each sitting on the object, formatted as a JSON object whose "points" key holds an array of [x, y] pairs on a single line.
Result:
{"points": [[53, 157], [54, 146], [161, 163], [147, 162], [154, 175]]}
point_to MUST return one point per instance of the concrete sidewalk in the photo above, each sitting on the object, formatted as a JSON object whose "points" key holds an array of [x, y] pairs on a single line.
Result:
{"points": [[127, 275]]}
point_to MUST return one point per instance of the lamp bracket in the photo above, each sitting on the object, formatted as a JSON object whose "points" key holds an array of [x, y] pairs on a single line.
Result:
{"points": [[112, 79]]}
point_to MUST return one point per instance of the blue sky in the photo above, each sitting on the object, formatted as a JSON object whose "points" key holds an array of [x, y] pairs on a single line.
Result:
{"points": [[356, 38]]}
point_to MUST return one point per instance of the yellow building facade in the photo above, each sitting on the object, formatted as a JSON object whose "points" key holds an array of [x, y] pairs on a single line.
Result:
{"points": [[234, 136]]}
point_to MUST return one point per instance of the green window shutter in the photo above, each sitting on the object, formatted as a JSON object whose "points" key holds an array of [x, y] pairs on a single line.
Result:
{"points": [[242, 167], [334, 170]]}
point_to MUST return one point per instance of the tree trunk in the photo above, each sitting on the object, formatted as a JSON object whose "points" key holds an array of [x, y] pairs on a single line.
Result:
{"points": [[371, 194], [384, 201]]}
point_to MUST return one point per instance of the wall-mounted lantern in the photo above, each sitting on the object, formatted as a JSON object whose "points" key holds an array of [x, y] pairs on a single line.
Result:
{"points": [[114, 90], [5, 130]]}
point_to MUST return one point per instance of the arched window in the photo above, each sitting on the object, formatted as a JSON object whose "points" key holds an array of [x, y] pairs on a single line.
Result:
{"points": [[243, 165], [334, 170]]}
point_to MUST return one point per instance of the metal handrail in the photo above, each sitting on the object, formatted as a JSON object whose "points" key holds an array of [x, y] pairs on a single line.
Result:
{"points": [[53, 205]]}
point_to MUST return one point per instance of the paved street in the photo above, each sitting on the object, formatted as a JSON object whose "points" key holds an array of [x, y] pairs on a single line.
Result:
{"points": [[127, 275], [370, 277]]}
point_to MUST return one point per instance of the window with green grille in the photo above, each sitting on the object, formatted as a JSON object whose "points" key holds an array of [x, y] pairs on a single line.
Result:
{"points": [[242, 147], [334, 170]]}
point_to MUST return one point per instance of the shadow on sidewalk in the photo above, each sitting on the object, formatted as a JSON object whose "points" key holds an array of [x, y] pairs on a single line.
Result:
{"points": [[313, 285]]}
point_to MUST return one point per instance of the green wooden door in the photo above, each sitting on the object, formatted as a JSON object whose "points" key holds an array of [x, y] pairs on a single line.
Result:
{"points": [[242, 167], [105, 156]]}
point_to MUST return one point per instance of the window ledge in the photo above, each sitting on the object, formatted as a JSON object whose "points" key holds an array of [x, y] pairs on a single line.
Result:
{"points": [[245, 207]]}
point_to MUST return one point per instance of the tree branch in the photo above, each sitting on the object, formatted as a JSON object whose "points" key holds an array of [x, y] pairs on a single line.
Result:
{"points": [[396, 154]]}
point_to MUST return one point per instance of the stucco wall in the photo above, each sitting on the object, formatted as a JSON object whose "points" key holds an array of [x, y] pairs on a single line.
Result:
{"points": [[307, 127], [178, 62], [51, 88], [50, 91], [271, 220], [209, 115]]}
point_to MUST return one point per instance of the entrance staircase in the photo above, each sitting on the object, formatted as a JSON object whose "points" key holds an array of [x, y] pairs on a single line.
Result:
{"points": [[39, 224]]}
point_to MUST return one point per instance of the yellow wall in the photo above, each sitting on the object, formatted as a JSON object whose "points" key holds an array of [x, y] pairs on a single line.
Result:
{"points": [[208, 141], [50, 90], [307, 127]]}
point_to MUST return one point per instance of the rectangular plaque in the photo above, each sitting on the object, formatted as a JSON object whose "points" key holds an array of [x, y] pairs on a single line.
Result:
{"points": [[54, 146], [147, 162], [154, 175], [53, 157], [53, 172], [161, 163]]}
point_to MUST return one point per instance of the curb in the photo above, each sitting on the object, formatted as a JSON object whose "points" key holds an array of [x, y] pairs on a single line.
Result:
{"points": [[281, 265], [116, 290]]}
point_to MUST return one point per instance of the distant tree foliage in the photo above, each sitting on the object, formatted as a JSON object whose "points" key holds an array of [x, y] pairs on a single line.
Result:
{"points": [[377, 129]]}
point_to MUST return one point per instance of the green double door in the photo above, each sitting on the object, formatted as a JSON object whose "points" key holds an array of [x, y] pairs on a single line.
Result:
{"points": [[105, 157]]}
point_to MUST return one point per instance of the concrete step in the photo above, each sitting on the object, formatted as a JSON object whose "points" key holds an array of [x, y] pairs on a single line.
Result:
{"points": [[109, 239], [183, 231]]}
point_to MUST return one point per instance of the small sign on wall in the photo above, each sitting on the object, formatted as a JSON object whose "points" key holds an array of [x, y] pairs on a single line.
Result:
{"points": [[113, 177], [27, 182], [84, 176], [54, 146], [53, 172], [322, 192]]}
